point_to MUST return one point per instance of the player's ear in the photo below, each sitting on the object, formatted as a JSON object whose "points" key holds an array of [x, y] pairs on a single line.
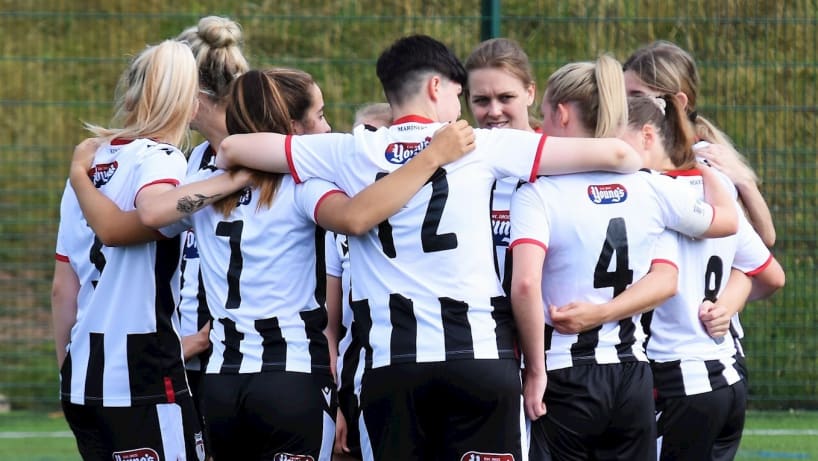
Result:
{"points": [[649, 137], [433, 85]]}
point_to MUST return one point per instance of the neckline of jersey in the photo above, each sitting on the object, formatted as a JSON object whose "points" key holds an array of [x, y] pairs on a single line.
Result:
{"points": [[412, 118]]}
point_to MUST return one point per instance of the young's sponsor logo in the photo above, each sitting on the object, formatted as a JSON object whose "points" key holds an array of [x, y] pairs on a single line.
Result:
{"points": [[501, 227], [139, 454], [399, 153], [604, 194], [246, 196], [478, 456], [102, 173], [191, 251]]}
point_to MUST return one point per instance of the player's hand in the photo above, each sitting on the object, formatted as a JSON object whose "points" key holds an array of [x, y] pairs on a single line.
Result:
{"points": [[715, 318], [340, 447], [574, 317], [728, 161], [452, 141], [84, 153], [534, 383]]}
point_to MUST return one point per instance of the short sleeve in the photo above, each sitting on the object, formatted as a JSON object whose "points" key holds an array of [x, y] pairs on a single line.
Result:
{"points": [[161, 163], [752, 256], [666, 249], [309, 194], [529, 216], [511, 153], [317, 156], [682, 210]]}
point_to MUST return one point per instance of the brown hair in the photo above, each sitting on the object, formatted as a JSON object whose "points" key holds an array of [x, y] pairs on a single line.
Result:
{"points": [[256, 104], [668, 69], [666, 114], [295, 86]]}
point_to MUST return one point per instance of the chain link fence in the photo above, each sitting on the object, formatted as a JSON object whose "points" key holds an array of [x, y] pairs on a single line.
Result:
{"points": [[60, 60]]}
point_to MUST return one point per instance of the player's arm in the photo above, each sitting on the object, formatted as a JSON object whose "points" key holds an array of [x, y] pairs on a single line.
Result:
{"points": [[527, 307], [728, 162], [725, 217], [195, 344], [64, 289], [574, 155], [767, 281], [112, 225], [163, 204], [385, 197], [334, 306], [659, 284]]}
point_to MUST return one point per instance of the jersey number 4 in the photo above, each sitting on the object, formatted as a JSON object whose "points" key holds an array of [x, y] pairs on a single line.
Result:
{"points": [[616, 243], [429, 238]]}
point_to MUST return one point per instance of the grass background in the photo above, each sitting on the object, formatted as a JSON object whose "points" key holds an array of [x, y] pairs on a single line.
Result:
{"points": [[60, 60], [32, 436]]}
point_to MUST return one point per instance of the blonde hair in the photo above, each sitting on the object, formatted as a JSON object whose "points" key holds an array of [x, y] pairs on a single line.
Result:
{"points": [[376, 114], [216, 44], [668, 69], [156, 96], [598, 89], [506, 55]]}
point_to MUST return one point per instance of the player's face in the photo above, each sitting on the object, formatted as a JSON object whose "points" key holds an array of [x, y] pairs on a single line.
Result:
{"points": [[636, 87], [550, 125], [314, 121], [498, 99]]}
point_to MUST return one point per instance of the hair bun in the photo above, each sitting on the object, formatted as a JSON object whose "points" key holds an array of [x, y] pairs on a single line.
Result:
{"points": [[219, 32]]}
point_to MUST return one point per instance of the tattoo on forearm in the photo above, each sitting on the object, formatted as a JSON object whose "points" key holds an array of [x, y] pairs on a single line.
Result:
{"points": [[188, 204]]}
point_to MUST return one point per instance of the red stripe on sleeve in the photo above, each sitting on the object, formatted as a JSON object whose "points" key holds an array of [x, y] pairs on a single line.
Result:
{"points": [[536, 167], [288, 152], [321, 200], [171, 181], [529, 241], [761, 268], [60, 257], [664, 261]]}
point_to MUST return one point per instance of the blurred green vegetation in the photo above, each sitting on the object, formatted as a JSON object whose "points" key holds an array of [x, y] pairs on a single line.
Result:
{"points": [[60, 61]]}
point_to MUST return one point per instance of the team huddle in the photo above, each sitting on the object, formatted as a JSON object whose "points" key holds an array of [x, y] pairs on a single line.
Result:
{"points": [[560, 287]]}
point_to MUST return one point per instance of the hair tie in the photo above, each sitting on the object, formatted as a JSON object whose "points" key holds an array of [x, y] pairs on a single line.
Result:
{"points": [[660, 103]]}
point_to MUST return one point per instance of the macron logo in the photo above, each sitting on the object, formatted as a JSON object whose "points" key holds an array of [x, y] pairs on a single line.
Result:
{"points": [[399, 153], [605, 194]]}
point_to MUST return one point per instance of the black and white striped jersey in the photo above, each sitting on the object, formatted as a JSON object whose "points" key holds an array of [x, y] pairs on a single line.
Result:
{"points": [[192, 312], [424, 287], [501, 227], [264, 279], [601, 232], [684, 358], [350, 364], [124, 349]]}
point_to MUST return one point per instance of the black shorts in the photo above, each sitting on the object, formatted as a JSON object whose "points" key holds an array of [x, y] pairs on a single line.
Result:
{"points": [[597, 412], [704, 426], [456, 410], [270, 414], [167, 431]]}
